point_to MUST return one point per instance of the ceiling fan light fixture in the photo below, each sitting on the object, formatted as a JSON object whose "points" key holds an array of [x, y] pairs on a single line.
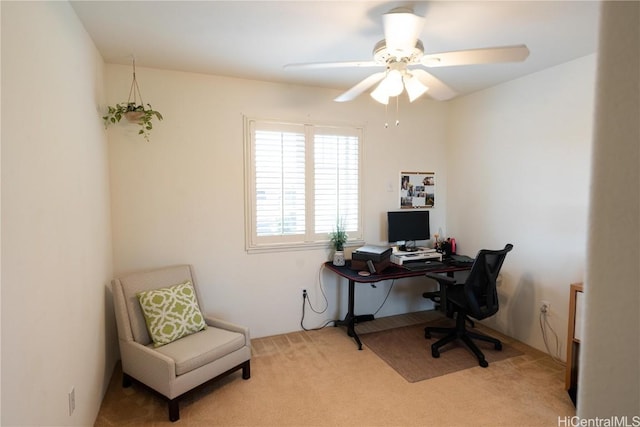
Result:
{"points": [[402, 48], [392, 83], [380, 94], [415, 88]]}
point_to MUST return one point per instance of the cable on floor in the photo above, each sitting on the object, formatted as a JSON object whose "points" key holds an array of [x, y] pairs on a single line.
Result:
{"points": [[306, 300], [327, 323], [544, 323]]}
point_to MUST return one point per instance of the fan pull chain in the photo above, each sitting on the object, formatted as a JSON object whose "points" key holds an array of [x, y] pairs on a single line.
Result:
{"points": [[386, 113], [386, 116]]}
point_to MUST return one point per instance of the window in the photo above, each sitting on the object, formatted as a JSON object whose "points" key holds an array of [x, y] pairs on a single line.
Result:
{"points": [[300, 180]]}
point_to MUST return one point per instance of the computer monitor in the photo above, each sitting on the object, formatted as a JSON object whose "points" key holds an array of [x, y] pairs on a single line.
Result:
{"points": [[408, 227]]}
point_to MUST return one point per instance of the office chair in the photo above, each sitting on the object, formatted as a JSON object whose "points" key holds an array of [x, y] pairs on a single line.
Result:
{"points": [[476, 297]]}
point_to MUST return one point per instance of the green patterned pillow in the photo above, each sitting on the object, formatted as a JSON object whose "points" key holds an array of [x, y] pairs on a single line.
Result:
{"points": [[171, 313]]}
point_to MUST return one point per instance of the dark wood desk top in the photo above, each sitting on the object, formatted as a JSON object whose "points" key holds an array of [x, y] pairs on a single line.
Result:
{"points": [[392, 272]]}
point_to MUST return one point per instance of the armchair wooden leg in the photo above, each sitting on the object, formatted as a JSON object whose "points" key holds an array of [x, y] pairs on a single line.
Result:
{"points": [[246, 370], [174, 410]]}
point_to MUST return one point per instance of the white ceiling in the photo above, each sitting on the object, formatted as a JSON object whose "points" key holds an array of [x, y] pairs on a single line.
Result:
{"points": [[255, 39]]}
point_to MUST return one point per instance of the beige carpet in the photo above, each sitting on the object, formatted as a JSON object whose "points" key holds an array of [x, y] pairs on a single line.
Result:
{"points": [[406, 350], [319, 378]]}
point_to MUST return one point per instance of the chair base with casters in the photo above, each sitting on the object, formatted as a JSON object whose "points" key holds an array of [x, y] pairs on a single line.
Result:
{"points": [[462, 333], [477, 298]]}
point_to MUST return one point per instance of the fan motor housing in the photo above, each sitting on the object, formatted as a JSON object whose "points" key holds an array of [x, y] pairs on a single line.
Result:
{"points": [[383, 56]]}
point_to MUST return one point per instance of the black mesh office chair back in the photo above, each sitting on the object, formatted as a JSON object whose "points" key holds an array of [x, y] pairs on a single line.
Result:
{"points": [[476, 298], [480, 288]]}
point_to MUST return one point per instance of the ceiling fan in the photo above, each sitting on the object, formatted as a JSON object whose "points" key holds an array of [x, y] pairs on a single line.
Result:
{"points": [[402, 55]]}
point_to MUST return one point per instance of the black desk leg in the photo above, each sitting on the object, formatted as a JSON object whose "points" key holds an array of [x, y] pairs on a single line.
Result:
{"points": [[351, 319]]}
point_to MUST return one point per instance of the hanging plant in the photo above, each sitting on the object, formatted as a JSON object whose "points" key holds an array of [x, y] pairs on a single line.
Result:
{"points": [[133, 111]]}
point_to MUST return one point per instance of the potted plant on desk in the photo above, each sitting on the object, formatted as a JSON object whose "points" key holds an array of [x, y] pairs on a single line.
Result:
{"points": [[338, 238]]}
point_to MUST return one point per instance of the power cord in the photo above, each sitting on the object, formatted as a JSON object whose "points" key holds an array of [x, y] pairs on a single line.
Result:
{"points": [[544, 324], [306, 300], [324, 296], [393, 282]]}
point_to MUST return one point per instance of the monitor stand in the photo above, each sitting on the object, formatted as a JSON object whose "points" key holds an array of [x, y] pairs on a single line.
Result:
{"points": [[409, 247]]}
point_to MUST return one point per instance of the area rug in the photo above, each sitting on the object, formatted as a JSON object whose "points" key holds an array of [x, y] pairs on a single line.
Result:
{"points": [[407, 351]]}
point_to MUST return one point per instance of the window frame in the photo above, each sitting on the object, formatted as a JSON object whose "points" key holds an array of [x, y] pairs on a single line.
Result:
{"points": [[310, 240]]}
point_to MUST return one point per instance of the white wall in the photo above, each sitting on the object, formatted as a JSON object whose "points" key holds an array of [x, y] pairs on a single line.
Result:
{"points": [[609, 373], [57, 321], [518, 171], [180, 197]]}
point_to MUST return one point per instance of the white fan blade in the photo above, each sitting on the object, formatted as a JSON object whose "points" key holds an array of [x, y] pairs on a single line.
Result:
{"points": [[319, 65], [361, 87], [489, 55], [437, 89], [401, 30]]}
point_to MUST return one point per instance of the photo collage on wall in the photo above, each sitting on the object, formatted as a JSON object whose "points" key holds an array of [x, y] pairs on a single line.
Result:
{"points": [[417, 189]]}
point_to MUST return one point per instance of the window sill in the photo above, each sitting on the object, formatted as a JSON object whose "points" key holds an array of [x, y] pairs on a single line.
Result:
{"points": [[288, 247]]}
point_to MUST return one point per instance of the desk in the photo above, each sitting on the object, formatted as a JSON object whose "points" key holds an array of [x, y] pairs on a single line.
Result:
{"points": [[390, 273]]}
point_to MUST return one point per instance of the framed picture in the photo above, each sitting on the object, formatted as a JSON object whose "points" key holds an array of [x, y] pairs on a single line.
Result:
{"points": [[417, 190]]}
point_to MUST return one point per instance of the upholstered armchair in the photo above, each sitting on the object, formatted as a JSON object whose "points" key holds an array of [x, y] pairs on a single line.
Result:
{"points": [[164, 351]]}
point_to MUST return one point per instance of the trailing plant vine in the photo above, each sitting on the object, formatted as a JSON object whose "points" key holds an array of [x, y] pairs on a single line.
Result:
{"points": [[135, 113]]}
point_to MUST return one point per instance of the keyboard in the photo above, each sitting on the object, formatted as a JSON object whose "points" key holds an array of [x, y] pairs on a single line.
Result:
{"points": [[461, 260], [423, 265]]}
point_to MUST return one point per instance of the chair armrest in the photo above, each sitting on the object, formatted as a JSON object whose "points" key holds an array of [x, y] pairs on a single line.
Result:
{"points": [[147, 365], [222, 324], [442, 280]]}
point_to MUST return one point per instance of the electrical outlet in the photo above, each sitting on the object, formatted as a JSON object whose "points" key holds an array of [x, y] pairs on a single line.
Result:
{"points": [[72, 400], [304, 293], [545, 307]]}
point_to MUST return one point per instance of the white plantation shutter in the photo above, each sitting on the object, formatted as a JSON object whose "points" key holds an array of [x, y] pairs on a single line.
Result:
{"points": [[337, 182], [300, 180], [280, 183]]}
